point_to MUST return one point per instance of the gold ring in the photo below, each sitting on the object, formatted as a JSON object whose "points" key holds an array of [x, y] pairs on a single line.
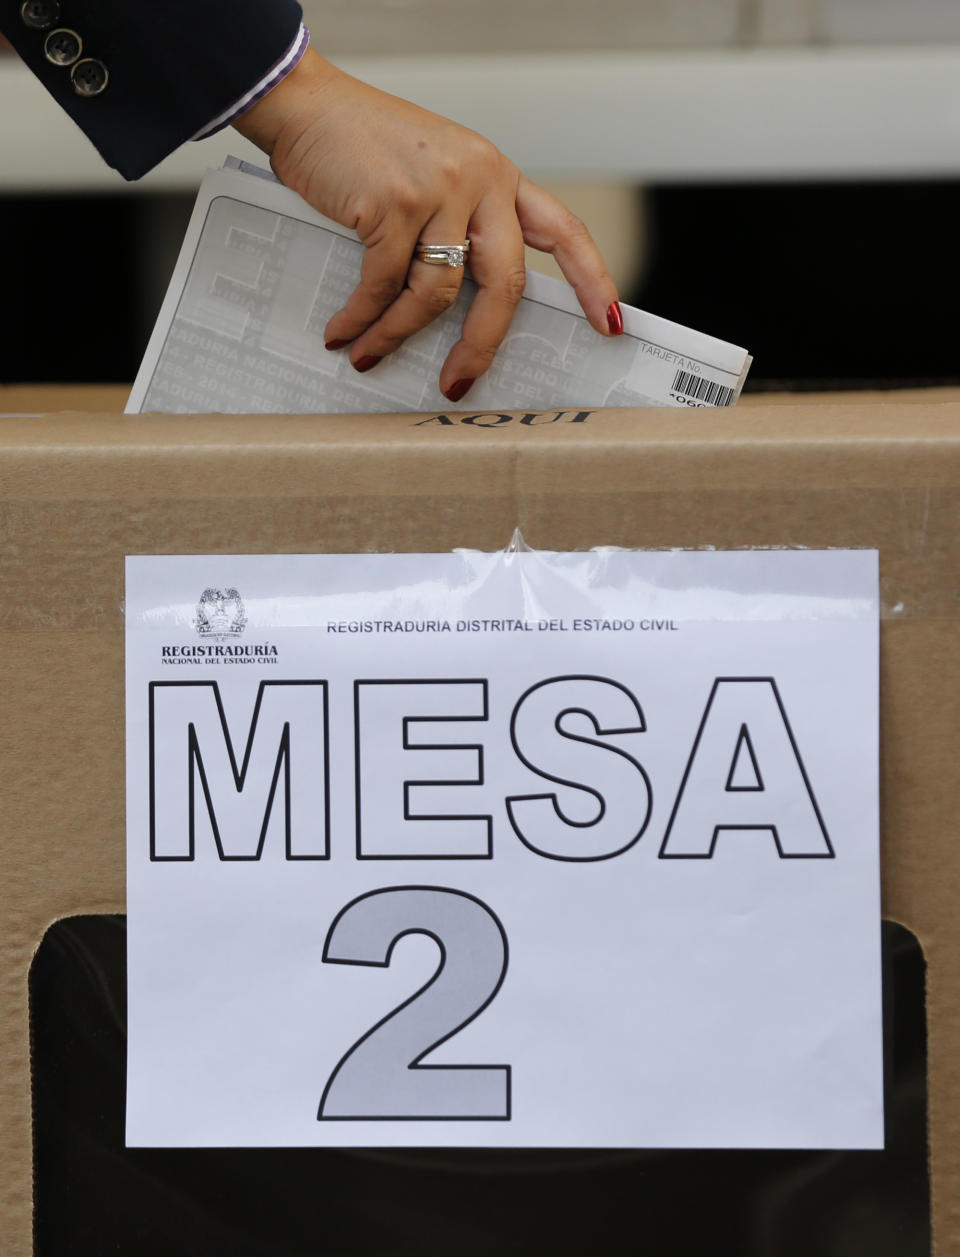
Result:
{"points": [[442, 254]]}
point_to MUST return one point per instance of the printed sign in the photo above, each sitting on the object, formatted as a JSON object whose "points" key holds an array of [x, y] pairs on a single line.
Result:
{"points": [[504, 850]]}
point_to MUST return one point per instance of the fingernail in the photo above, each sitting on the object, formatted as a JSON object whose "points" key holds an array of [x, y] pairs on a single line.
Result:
{"points": [[458, 390], [615, 319], [367, 363], [336, 344]]}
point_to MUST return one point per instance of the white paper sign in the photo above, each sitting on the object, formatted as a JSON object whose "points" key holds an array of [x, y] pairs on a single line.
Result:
{"points": [[520, 849]]}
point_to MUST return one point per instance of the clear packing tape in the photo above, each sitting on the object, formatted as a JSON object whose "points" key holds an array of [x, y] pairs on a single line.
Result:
{"points": [[63, 560], [603, 582]]}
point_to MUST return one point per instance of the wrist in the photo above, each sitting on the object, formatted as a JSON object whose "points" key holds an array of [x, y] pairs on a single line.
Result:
{"points": [[284, 109]]}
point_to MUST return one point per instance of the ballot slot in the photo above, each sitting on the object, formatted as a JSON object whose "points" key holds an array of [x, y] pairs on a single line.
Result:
{"points": [[93, 1195]]}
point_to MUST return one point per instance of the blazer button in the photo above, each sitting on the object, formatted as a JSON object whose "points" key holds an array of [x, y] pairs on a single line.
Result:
{"points": [[40, 15], [89, 77], [62, 47]]}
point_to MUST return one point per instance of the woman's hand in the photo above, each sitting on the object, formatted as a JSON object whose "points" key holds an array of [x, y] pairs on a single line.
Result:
{"points": [[399, 175]]}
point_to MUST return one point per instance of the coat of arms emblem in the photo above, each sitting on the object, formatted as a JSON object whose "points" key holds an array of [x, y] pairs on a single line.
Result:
{"points": [[220, 614]]}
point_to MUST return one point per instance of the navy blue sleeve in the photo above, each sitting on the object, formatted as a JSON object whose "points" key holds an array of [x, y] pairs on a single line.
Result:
{"points": [[148, 74]]}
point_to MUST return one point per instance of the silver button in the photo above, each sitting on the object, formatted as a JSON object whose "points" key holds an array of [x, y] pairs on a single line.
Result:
{"points": [[89, 77], [40, 15], [62, 47]]}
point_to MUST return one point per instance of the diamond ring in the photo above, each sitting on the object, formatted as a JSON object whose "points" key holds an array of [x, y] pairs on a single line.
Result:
{"points": [[442, 254]]}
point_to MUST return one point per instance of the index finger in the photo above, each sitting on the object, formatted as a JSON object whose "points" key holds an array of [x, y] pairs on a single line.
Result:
{"points": [[549, 226]]}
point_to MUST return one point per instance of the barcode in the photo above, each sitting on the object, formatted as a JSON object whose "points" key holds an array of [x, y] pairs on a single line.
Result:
{"points": [[701, 390]]}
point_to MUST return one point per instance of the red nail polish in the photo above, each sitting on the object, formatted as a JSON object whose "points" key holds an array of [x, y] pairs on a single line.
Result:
{"points": [[458, 390], [336, 344], [367, 363], [615, 319]]}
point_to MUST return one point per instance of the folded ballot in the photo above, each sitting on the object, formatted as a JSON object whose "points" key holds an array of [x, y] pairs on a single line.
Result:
{"points": [[261, 273]]}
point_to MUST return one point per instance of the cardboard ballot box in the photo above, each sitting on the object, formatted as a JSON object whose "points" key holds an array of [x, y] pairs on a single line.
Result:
{"points": [[82, 489]]}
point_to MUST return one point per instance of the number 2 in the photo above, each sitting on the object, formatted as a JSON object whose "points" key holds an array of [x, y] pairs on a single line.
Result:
{"points": [[380, 1078]]}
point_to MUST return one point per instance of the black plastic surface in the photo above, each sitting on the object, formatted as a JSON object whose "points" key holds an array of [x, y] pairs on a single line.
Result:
{"points": [[94, 1197]]}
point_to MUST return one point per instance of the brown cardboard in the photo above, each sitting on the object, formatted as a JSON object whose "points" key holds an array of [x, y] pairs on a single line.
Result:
{"points": [[111, 398], [79, 491], [41, 399]]}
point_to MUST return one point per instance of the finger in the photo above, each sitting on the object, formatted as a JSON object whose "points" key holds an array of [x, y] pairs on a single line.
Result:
{"points": [[383, 274], [549, 226], [496, 264], [430, 291]]}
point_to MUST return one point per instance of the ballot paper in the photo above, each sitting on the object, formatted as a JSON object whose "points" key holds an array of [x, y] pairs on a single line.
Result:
{"points": [[260, 275]]}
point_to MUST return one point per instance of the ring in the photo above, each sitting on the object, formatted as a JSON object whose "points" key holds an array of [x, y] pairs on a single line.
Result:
{"points": [[442, 254]]}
